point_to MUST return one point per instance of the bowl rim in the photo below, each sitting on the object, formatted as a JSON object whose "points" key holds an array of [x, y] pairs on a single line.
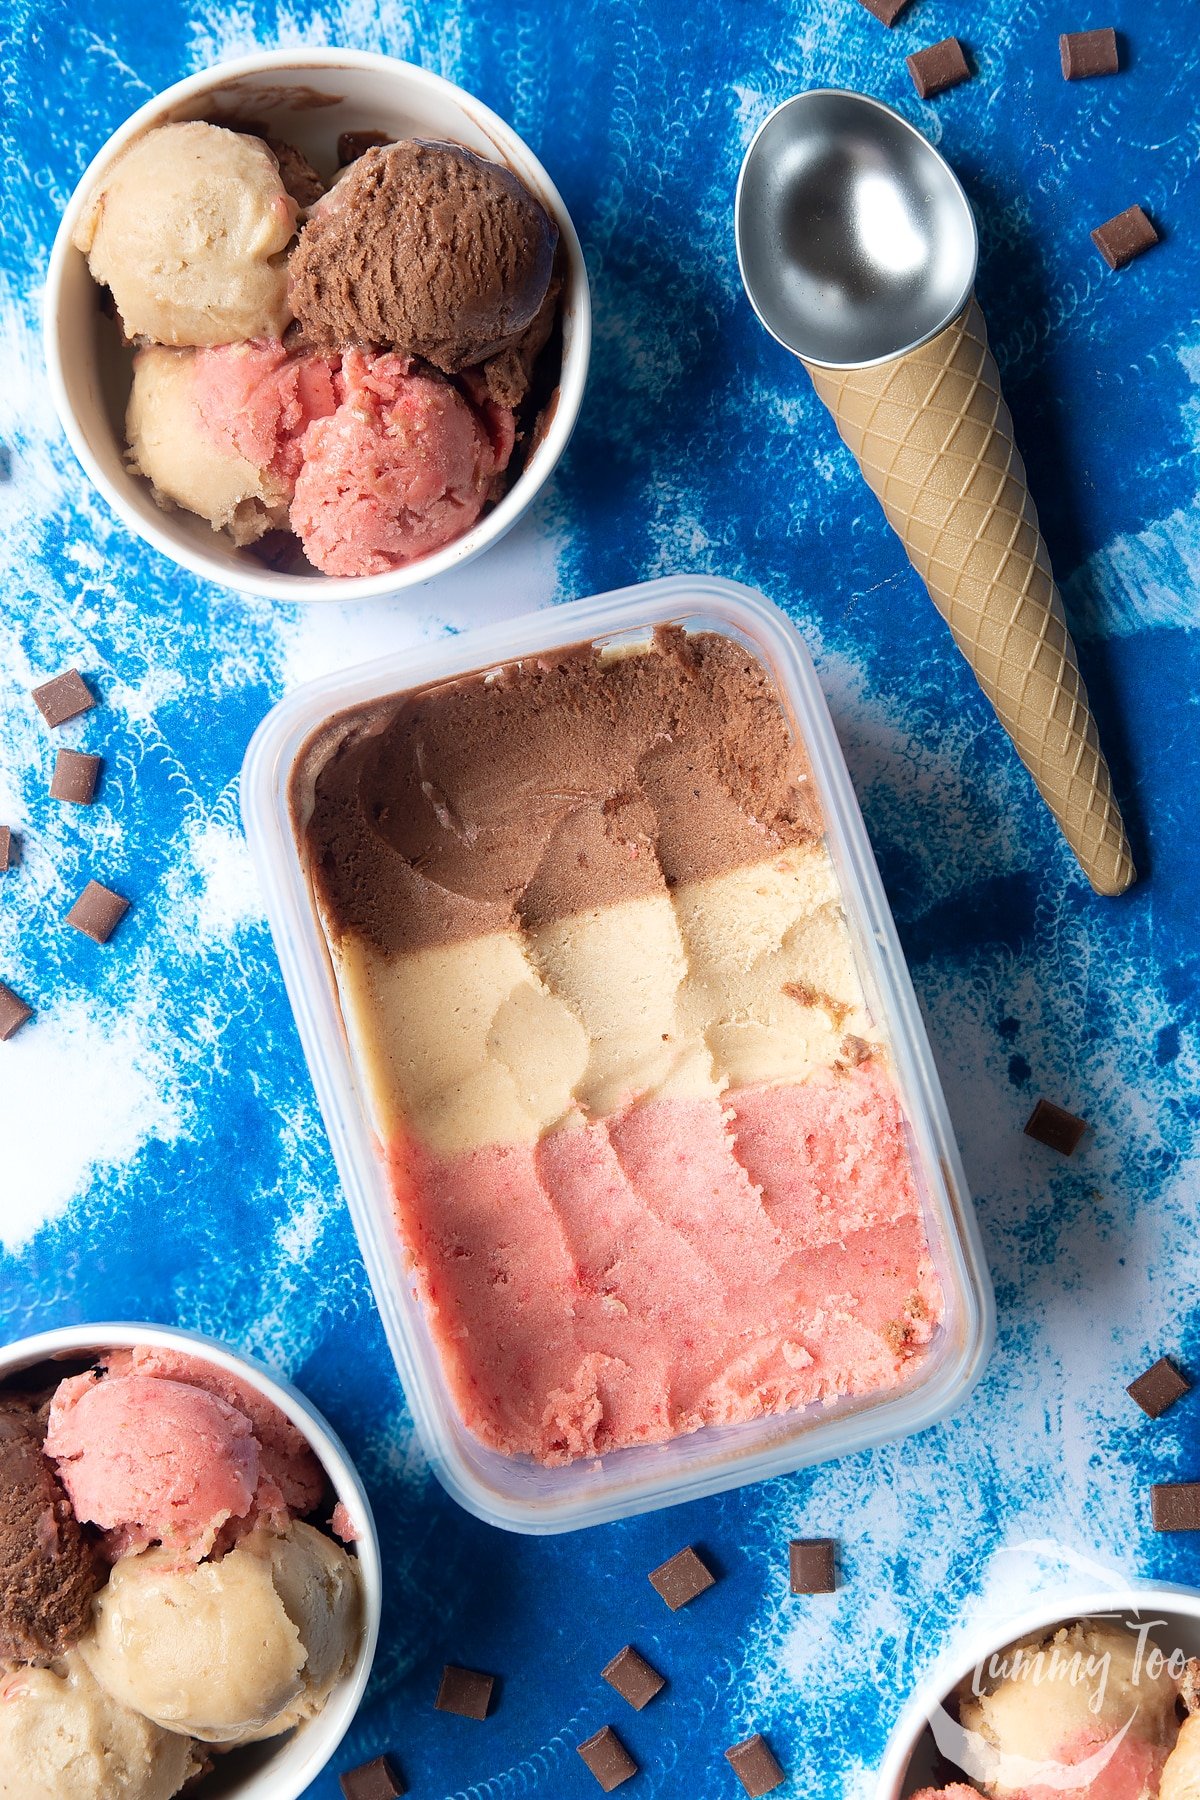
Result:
{"points": [[1057, 1605], [323, 589], [328, 1727]]}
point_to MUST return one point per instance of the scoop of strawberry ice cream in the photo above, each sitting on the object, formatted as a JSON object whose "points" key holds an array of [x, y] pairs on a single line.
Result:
{"points": [[402, 468], [152, 1461], [257, 401], [286, 1458]]}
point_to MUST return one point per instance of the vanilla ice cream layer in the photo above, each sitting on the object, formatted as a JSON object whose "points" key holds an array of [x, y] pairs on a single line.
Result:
{"points": [[744, 979]]}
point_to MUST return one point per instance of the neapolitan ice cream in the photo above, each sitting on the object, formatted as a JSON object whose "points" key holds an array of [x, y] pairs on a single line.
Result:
{"points": [[187, 465], [166, 1580], [1089, 1709], [378, 426], [648, 1159]]}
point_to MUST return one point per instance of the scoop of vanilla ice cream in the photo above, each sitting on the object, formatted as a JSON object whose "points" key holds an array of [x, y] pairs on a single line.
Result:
{"points": [[318, 1587], [63, 1737], [188, 228], [188, 466], [1094, 1697], [235, 1650]]}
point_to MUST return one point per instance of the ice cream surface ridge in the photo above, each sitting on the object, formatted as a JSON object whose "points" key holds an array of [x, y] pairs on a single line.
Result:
{"points": [[648, 1160]]}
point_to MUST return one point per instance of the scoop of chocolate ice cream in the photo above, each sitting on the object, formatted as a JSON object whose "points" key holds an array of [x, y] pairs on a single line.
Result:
{"points": [[426, 249], [47, 1570]]}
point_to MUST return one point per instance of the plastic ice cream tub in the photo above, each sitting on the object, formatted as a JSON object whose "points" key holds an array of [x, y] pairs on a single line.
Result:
{"points": [[306, 96], [284, 1767], [515, 1491], [925, 1737]]}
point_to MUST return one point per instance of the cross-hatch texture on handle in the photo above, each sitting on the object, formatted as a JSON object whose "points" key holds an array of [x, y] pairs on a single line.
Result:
{"points": [[934, 440]]}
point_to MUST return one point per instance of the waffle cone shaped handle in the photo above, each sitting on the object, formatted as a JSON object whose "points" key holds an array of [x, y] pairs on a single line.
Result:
{"points": [[934, 440]]}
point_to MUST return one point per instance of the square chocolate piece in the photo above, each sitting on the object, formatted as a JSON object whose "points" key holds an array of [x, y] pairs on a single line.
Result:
{"points": [[607, 1758], [886, 11], [13, 1013], [1055, 1127], [8, 849], [1127, 236], [466, 1692], [755, 1766], [1175, 1506], [940, 67], [1160, 1387], [813, 1565], [97, 912], [376, 1780], [64, 698], [634, 1678], [1087, 53], [681, 1578], [75, 777]]}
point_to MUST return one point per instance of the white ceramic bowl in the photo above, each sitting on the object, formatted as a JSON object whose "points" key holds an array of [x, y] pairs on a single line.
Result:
{"points": [[1172, 1613], [278, 1769], [307, 97]]}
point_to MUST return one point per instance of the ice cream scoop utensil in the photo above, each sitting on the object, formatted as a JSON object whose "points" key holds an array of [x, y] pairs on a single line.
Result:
{"points": [[858, 251]]}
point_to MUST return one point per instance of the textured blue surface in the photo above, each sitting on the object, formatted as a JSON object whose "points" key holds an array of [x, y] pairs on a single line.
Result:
{"points": [[160, 1150]]}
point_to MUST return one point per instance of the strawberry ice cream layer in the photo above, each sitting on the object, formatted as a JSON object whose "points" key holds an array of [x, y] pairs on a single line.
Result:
{"points": [[686, 1263]]}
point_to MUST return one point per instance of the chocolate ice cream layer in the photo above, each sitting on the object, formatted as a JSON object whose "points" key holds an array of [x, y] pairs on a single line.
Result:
{"points": [[47, 1571], [429, 818], [426, 249]]}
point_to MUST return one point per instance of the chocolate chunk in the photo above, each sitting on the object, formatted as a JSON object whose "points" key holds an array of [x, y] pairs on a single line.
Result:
{"points": [[75, 777], [353, 144], [1055, 1127], [939, 67], [1119, 240], [681, 1579], [608, 1759], [64, 698], [13, 1013], [8, 849], [376, 1780], [465, 1692], [814, 1565], [1087, 53], [755, 1766], [296, 172], [633, 1677], [1161, 1386], [1175, 1505], [97, 912], [886, 11]]}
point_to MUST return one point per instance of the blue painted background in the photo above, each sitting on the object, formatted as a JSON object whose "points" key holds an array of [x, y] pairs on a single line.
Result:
{"points": [[160, 1150]]}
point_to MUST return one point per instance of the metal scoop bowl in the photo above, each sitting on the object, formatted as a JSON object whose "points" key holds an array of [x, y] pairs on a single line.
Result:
{"points": [[858, 251]]}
